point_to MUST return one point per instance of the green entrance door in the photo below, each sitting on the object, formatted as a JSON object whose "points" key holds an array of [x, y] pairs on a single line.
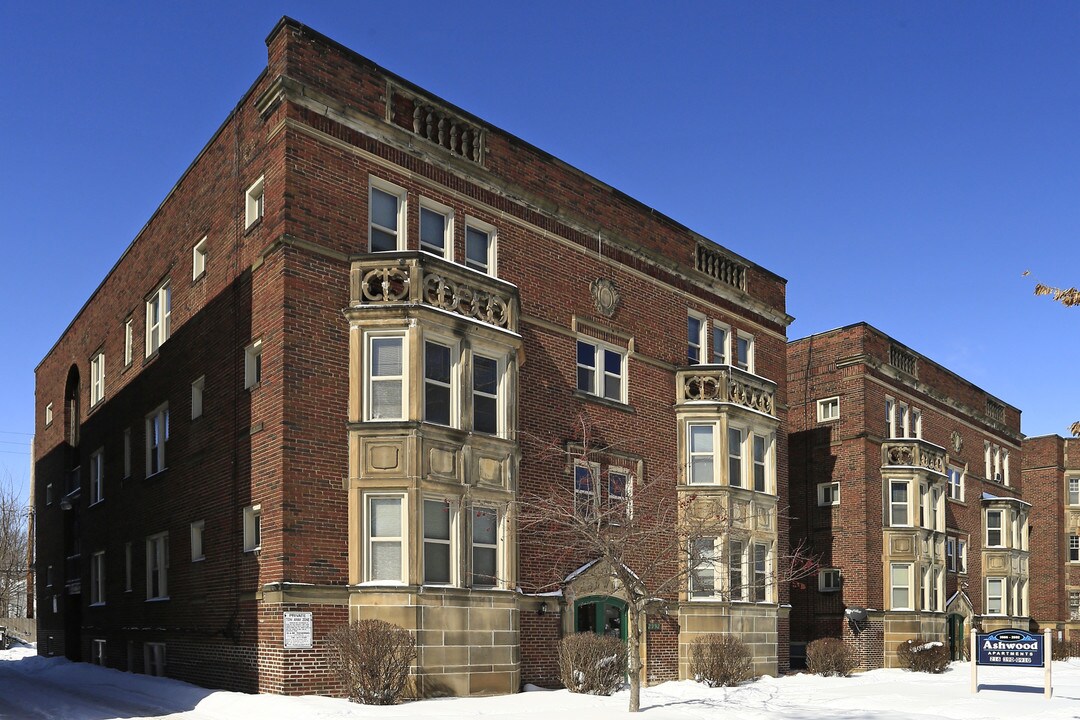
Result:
{"points": [[956, 637], [601, 615]]}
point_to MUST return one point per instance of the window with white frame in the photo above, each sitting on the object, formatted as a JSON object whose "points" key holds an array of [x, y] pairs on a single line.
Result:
{"points": [[1019, 599], [197, 529], [254, 203], [127, 452], [97, 650], [97, 578], [961, 556], [744, 351], [387, 217], [385, 378], [995, 596], [158, 318], [439, 523], [585, 486], [480, 246], [759, 446], [157, 566], [899, 420], [128, 553], [485, 394], [704, 557], [197, 389], [993, 462], [97, 476], [956, 482], [829, 580], [620, 491], [735, 457], [97, 379], [129, 341], [1073, 485], [760, 586], [436, 229], [438, 393], [950, 554], [601, 370], [1074, 604], [721, 351], [702, 447], [198, 260], [1005, 466], [154, 659], [995, 536], [900, 586], [899, 503], [485, 546], [48, 414], [695, 338], [1074, 548], [157, 434], [828, 409], [916, 423], [252, 528], [253, 364], [828, 493], [736, 569], [385, 539]]}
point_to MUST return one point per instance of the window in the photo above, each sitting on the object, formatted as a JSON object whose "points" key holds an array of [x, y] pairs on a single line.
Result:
{"points": [[828, 409], [479, 246], [198, 260], [703, 560], [828, 493], [436, 229], [97, 652], [385, 396], [438, 550], [956, 483], [157, 433], [1074, 548], [485, 547], [601, 370], [585, 475], [961, 556], [127, 567], [48, 415], [744, 351], [702, 453], [898, 503], [252, 528], [129, 341], [48, 493], [1074, 489], [485, 389], [97, 379], [735, 441], [900, 585], [253, 203], [736, 559], [158, 318], [438, 395], [760, 449], [995, 596], [950, 554], [97, 578], [829, 580], [916, 422], [97, 476], [620, 491], [154, 659], [1005, 466], [720, 350], [49, 577], [157, 567], [386, 217], [1019, 597], [197, 529], [1074, 605], [127, 452], [253, 364], [197, 388], [994, 535], [385, 535], [759, 589], [695, 339], [993, 462]]}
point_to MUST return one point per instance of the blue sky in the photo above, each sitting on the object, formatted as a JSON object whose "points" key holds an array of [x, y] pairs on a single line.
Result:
{"points": [[898, 163]]}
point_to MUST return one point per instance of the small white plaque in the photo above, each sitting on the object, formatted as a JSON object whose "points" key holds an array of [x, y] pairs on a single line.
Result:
{"points": [[298, 633]]}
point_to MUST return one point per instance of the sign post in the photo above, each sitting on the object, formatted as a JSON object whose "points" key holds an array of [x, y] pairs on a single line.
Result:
{"points": [[1012, 648]]}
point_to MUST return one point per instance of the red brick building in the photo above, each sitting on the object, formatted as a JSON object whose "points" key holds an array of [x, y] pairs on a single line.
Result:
{"points": [[905, 478], [1052, 482], [300, 396]]}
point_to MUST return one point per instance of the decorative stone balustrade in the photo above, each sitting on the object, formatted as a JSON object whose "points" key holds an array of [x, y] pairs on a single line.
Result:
{"points": [[719, 266], [420, 279], [913, 453], [725, 384]]}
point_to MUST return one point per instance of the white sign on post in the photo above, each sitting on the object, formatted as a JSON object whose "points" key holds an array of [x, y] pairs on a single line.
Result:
{"points": [[298, 632]]}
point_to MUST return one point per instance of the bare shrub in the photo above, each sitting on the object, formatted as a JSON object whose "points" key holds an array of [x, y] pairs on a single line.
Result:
{"points": [[720, 660], [830, 656], [373, 657], [592, 664], [919, 655], [1065, 649]]}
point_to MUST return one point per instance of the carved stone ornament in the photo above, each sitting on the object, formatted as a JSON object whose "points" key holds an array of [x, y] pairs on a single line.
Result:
{"points": [[605, 296], [956, 441]]}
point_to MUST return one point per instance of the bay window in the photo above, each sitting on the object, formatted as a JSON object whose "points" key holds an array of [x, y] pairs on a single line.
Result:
{"points": [[735, 459], [385, 556], [898, 503], [438, 392], [703, 558], [995, 537], [995, 596], [900, 586], [759, 588], [485, 546], [385, 375], [485, 390], [439, 560], [736, 573]]}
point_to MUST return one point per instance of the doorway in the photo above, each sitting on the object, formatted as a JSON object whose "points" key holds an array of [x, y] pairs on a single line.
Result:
{"points": [[603, 615], [956, 637]]}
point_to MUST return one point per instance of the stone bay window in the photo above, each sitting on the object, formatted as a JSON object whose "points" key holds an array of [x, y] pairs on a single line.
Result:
{"points": [[1005, 561], [432, 463]]}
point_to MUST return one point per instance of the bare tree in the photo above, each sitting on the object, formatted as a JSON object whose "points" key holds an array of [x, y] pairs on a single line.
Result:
{"points": [[1069, 297], [654, 540], [13, 545]]}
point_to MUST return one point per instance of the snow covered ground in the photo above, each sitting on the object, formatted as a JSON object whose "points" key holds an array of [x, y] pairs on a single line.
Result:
{"points": [[35, 687]]}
